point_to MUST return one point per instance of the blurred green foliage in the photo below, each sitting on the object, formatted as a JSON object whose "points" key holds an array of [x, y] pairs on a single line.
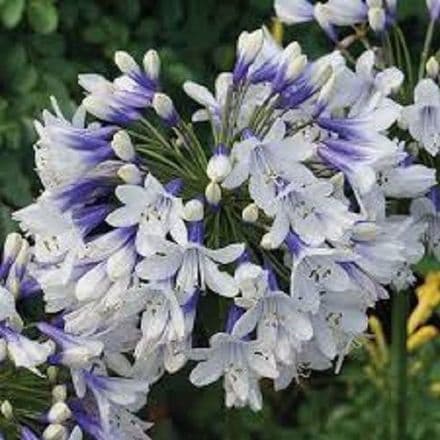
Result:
{"points": [[44, 44]]}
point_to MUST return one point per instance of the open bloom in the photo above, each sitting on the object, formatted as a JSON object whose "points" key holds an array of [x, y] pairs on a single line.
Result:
{"points": [[23, 351], [195, 266], [139, 225], [278, 322], [154, 208], [423, 117], [241, 363]]}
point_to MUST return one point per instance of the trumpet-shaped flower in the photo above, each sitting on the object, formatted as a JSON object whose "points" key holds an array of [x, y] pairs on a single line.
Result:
{"points": [[195, 266], [241, 363], [423, 117], [154, 208]]}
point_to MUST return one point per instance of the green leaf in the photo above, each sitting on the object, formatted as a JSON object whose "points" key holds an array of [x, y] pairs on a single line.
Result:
{"points": [[171, 12], [26, 79], [7, 225], [426, 265], [42, 16], [15, 187], [11, 12], [130, 10]]}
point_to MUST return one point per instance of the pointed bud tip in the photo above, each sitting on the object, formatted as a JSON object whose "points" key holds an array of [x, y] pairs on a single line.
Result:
{"points": [[125, 62], [219, 167], [193, 211], [122, 146], [55, 432], [164, 107], [7, 410], [432, 67], [213, 193], [250, 213], [152, 64], [377, 18]]}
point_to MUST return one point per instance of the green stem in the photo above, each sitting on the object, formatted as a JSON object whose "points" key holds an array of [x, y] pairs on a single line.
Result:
{"points": [[426, 47], [155, 133], [407, 55], [389, 55], [232, 423], [398, 377]]}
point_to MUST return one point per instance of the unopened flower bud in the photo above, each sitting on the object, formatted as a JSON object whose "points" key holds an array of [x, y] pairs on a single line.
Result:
{"points": [[338, 180], [152, 64], [7, 410], [292, 50], [323, 16], [374, 3], [125, 62], [249, 44], [122, 146], [59, 413], [164, 107], [95, 105], [296, 67], [402, 123], [23, 253], [219, 166], [55, 432], [327, 90], [59, 393], [213, 193], [193, 211], [377, 19], [321, 74], [52, 373], [267, 242], [250, 213], [413, 148], [130, 174], [432, 67], [115, 270], [365, 231], [12, 246], [14, 279]]}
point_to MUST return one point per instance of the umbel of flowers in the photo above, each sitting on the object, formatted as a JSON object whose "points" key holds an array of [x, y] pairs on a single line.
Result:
{"points": [[280, 223]]}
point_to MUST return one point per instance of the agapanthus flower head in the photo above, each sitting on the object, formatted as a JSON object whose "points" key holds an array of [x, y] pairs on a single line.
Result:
{"points": [[283, 215]]}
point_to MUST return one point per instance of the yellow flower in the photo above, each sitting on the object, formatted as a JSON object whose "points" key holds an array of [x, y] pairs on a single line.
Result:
{"points": [[277, 30], [429, 298], [435, 389], [378, 350], [421, 336]]}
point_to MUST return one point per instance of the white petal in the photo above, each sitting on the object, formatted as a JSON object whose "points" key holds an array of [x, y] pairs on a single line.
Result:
{"points": [[206, 372], [220, 282], [124, 217], [427, 93], [200, 94], [132, 195], [227, 254], [157, 268], [294, 11], [93, 284], [247, 322]]}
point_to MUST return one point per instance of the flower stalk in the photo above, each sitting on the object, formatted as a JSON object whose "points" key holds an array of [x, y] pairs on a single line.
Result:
{"points": [[426, 47], [398, 379]]}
